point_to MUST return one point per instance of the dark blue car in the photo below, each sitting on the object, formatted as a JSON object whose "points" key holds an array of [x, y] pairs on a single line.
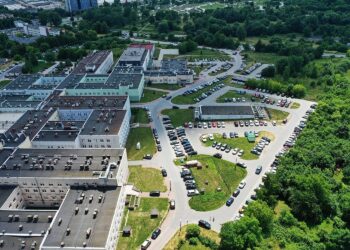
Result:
{"points": [[229, 201]]}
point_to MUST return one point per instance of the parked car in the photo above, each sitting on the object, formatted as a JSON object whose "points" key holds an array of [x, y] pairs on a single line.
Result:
{"points": [[204, 224], [164, 173], [147, 157], [242, 165], [236, 193], [145, 244], [229, 201], [156, 233], [188, 177], [192, 192], [172, 204], [154, 193], [258, 170], [218, 155], [242, 184]]}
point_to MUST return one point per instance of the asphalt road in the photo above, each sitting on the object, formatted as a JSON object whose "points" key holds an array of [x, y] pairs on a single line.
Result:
{"points": [[183, 214]]}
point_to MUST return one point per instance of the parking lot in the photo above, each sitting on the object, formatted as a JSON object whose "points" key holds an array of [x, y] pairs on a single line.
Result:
{"points": [[284, 135]]}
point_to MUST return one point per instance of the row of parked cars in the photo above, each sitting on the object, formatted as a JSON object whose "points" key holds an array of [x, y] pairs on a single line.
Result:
{"points": [[205, 125], [258, 148], [156, 138], [189, 181], [241, 185], [251, 69], [227, 149], [273, 167], [178, 140], [206, 93]]}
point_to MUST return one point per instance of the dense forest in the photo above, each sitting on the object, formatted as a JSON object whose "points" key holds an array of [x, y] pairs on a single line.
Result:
{"points": [[306, 204]]}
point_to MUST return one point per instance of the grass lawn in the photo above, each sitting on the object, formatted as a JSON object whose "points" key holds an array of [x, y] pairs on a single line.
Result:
{"points": [[181, 235], [233, 94], [117, 52], [150, 95], [189, 99], [140, 222], [139, 115], [145, 137], [281, 206], [3, 83], [241, 143], [255, 57], [295, 105], [165, 86], [277, 115], [179, 116], [41, 66], [146, 179], [219, 173]]}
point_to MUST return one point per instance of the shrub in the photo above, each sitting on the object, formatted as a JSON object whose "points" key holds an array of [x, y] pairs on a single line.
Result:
{"points": [[192, 231]]}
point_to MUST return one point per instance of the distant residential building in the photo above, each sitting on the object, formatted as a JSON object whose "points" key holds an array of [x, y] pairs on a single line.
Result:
{"points": [[37, 30], [79, 5]]}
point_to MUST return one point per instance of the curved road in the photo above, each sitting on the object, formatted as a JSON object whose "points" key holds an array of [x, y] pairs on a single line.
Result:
{"points": [[183, 214]]}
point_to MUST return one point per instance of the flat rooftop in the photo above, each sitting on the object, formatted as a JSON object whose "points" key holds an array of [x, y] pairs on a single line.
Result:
{"points": [[68, 163], [174, 65], [77, 216], [28, 124], [133, 54], [57, 135], [125, 78], [20, 242], [86, 102], [91, 62], [71, 81], [34, 221], [104, 122], [227, 110], [22, 82]]}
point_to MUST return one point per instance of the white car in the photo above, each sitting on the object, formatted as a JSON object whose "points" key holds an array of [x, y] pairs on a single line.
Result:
{"points": [[205, 125], [211, 137], [192, 192], [223, 124], [235, 151], [242, 184], [241, 152], [274, 123]]}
